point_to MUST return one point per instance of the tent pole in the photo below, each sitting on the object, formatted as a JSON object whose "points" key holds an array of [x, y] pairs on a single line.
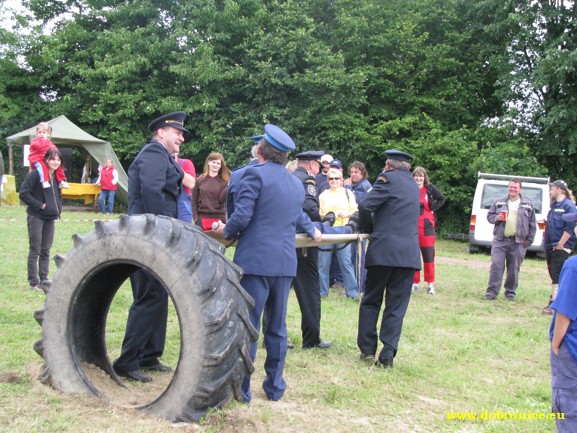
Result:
{"points": [[11, 160]]}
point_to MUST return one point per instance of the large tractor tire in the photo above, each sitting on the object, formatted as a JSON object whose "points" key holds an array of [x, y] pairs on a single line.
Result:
{"points": [[211, 306]]}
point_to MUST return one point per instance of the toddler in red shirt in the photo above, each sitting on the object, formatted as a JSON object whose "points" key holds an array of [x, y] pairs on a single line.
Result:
{"points": [[38, 148]]}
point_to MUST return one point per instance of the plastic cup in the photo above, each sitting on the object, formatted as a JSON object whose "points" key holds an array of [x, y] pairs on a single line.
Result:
{"points": [[504, 213]]}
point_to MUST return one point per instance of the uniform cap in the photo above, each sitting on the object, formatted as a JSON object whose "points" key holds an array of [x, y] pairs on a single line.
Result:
{"points": [[397, 155], [176, 120], [326, 158], [256, 138], [278, 138], [560, 184], [310, 155]]}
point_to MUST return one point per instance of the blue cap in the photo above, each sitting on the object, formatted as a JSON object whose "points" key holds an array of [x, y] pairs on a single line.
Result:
{"points": [[397, 155], [176, 120], [256, 138], [336, 163], [278, 138], [310, 155]]}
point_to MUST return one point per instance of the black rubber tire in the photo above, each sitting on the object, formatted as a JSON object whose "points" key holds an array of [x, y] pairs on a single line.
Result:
{"points": [[205, 289]]}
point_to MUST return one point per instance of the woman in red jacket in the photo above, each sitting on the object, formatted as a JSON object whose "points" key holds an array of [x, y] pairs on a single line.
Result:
{"points": [[431, 200]]}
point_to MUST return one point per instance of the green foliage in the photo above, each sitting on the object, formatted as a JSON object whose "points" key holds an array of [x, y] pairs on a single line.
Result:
{"points": [[352, 77]]}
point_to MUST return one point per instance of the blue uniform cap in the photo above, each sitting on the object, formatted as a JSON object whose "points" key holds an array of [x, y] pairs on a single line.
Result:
{"points": [[310, 155], [256, 138], [278, 138], [176, 120], [397, 155]]}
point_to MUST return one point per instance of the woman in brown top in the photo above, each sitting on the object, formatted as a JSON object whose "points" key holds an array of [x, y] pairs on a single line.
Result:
{"points": [[209, 192]]}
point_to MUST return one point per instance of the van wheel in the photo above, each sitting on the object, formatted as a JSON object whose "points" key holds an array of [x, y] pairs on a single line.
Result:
{"points": [[473, 249], [212, 308]]}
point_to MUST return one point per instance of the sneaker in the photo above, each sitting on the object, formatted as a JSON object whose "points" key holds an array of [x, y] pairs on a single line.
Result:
{"points": [[415, 288], [45, 184], [36, 289], [488, 297], [510, 297], [548, 311], [431, 289], [64, 185]]}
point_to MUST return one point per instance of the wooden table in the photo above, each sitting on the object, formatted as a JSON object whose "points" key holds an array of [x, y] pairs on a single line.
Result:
{"points": [[81, 191]]}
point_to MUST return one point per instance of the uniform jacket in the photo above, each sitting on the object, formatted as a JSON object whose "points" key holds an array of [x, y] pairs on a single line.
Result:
{"points": [[390, 212], [153, 182], [234, 185], [266, 210], [556, 225], [311, 205], [526, 221], [34, 196]]}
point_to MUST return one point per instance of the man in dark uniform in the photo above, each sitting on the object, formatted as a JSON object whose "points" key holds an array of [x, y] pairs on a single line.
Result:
{"points": [[154, 179], [390, 212], [267, 214], [306, 283]]}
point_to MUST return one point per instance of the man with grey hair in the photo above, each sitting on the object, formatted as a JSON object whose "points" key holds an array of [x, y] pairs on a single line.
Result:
{"points": [[390, 213]]}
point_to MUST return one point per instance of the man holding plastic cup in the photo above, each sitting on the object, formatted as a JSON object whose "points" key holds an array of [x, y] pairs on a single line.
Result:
{"points": [[514, 231]]}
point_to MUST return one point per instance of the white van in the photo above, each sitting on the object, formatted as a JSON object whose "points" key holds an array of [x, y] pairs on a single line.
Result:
{"points": [[490, 187]]}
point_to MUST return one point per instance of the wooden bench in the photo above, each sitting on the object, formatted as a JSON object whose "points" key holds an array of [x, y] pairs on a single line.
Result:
{"points": [[81, 191]]}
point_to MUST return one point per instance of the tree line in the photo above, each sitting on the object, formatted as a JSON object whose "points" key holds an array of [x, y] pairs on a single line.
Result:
{"points": [[464, 85]]}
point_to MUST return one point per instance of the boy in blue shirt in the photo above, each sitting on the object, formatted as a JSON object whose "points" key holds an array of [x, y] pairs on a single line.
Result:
{"points": [[563, 335]]}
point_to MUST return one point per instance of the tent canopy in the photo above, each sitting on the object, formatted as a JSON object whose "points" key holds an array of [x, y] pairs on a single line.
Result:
{"points": [[67, 134]]}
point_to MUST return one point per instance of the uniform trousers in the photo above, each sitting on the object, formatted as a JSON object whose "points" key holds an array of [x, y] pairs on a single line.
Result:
{"points": [[308, 293], [40, 236], [394, 284], [564, 389], [505, 252], [146, 326], [270, 296]]}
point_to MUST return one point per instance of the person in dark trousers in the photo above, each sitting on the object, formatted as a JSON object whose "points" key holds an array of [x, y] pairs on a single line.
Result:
{"points": [[359, 185], [390, 213], [43, 209], [559, 237], [306, 283], [154, 179], [267, 213]]}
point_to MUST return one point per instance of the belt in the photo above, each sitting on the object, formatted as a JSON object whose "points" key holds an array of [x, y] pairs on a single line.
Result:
{"points": [[508, 237]]}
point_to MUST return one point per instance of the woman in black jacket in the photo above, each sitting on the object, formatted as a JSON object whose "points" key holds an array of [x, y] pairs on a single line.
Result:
{"points": [[431, 200], [44, 207]]}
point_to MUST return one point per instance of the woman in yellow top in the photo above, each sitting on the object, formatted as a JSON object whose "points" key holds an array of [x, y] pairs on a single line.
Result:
{"points": [[342, 202]]}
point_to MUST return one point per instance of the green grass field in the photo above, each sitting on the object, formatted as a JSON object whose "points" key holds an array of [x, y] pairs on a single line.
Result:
{"points": [[457, 354]]}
